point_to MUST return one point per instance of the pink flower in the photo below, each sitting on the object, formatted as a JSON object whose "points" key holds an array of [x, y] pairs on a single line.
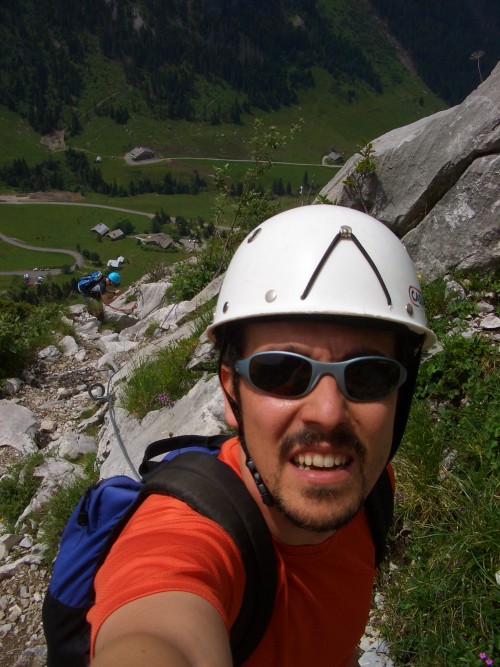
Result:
{"points": [[483, 656], [489, 662]]}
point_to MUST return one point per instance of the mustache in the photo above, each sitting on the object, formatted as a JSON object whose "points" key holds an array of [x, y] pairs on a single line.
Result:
{"points": [[339, 437]]}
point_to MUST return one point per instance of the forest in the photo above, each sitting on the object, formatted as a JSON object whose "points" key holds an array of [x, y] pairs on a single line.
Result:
{"points": [[446, 39], [249, 56], [262, 51]]}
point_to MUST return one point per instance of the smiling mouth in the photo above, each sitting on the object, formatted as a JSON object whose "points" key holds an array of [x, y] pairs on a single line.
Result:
{"points": [[321, 461]]}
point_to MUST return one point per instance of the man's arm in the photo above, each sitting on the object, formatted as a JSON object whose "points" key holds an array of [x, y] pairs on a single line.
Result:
{"points": [[172, 629], [139, 649], [109, 295]]}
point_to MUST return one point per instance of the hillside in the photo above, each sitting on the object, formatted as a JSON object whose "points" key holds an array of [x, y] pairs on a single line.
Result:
{"points": [[69, 62]]}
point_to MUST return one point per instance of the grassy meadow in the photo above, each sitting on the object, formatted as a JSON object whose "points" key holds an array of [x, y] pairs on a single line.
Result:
{"points": [[66, 226]]}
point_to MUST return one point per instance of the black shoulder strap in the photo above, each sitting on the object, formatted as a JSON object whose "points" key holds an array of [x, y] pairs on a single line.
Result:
{"points": [[211, 488], [379, 508]]}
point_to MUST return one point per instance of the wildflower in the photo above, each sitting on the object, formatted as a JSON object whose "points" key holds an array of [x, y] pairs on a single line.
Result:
{"points": [[489, 662], [483, 656], [165, 400]]}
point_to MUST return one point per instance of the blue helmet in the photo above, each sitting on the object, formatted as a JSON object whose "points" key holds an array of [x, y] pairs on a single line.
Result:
{"points": [[114, 277]]}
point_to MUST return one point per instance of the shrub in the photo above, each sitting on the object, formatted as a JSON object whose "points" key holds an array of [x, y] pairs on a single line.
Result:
{"points": [[23, 330], [166, 374], [17, 487]]}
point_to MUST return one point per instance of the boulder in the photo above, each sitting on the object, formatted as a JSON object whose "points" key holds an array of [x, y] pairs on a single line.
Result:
{"points": [[462, 231], [18, 427], [69, 346]]}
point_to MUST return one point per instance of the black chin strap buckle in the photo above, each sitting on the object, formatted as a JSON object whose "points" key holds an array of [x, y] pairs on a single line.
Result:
{"points": [[267, 498]]}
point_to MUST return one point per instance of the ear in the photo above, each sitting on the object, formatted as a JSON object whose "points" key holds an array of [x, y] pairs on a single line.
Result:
{"points": [[226, 379]]}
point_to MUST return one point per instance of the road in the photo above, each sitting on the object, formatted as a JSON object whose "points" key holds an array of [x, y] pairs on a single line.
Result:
{"points": [[26, 199], [15, 199], [76, 255]]}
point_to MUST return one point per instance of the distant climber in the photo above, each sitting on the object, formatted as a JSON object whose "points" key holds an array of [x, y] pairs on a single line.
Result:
{"points": [[99, 287]]}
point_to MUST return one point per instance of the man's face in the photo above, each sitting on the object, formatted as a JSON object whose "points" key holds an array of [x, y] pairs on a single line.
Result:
{"points": [[292, 441]]}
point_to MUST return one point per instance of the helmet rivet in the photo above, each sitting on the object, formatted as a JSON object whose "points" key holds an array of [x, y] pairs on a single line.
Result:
{"points": [[225, 307], [254, 235], [409, 309], [271, 295], [346, 232]]}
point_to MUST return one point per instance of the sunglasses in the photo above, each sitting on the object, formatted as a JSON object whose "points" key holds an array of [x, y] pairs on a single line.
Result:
{"points": [[291, 375]]}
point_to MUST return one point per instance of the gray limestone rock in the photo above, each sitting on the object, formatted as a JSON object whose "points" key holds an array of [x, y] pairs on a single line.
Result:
{"points": [[436, 184], [18, 427]]}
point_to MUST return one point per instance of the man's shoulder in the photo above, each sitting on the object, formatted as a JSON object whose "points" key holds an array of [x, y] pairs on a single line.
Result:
{"points": [[229, 454]]}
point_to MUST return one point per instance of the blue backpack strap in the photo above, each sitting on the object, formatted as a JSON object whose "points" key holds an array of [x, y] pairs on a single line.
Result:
{"points": [[212, 488], [210, 444]]}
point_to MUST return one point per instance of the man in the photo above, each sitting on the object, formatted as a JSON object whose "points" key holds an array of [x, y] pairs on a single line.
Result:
{"points": [[103, 290], [319, 326]]}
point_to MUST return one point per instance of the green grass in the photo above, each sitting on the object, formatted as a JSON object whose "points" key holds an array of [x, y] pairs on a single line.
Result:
{"points": [[328, 122], [19, 139], [156, 381], [441, 603], [327, 119], [67, 226], [16, 259], [17, 487]]}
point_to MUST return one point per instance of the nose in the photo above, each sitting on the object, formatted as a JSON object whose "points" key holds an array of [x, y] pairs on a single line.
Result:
{"points": [[325, 406]]}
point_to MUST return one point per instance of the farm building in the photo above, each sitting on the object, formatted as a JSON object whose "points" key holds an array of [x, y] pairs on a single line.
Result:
{"points": [[100, 229], [116, 234], [115, 263], [141, 153], [335, 157], [162, 240]]}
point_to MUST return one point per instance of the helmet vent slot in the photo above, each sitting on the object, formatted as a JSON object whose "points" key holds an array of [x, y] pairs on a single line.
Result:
{"points": [[254, 234], [345, 234]]}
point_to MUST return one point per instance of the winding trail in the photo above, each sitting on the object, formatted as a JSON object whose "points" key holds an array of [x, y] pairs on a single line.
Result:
{"points": [[54, 272]]}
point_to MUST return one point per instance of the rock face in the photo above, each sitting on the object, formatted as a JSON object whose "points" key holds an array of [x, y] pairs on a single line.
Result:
{"points": [[436, 184], [462, 232]]}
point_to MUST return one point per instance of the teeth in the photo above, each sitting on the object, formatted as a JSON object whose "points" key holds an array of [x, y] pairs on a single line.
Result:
{"points": [[305, 461], [318, 461]]}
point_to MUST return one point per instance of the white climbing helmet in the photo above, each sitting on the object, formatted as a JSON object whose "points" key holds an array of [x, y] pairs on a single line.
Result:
{"points": [[322, 260]]}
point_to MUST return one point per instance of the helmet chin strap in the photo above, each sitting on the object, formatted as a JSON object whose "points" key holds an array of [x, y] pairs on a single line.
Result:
{"points": [[264, 492]]}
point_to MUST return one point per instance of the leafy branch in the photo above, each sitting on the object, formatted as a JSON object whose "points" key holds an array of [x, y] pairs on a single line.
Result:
{"points": [[364, 170]]}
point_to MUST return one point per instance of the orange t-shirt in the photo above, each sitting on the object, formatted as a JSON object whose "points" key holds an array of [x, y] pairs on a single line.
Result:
{"points": [[324, 591]]}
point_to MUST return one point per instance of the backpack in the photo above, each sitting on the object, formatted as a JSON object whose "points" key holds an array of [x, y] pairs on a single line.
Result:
{"points": [[190, 471], [86, 283]]}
